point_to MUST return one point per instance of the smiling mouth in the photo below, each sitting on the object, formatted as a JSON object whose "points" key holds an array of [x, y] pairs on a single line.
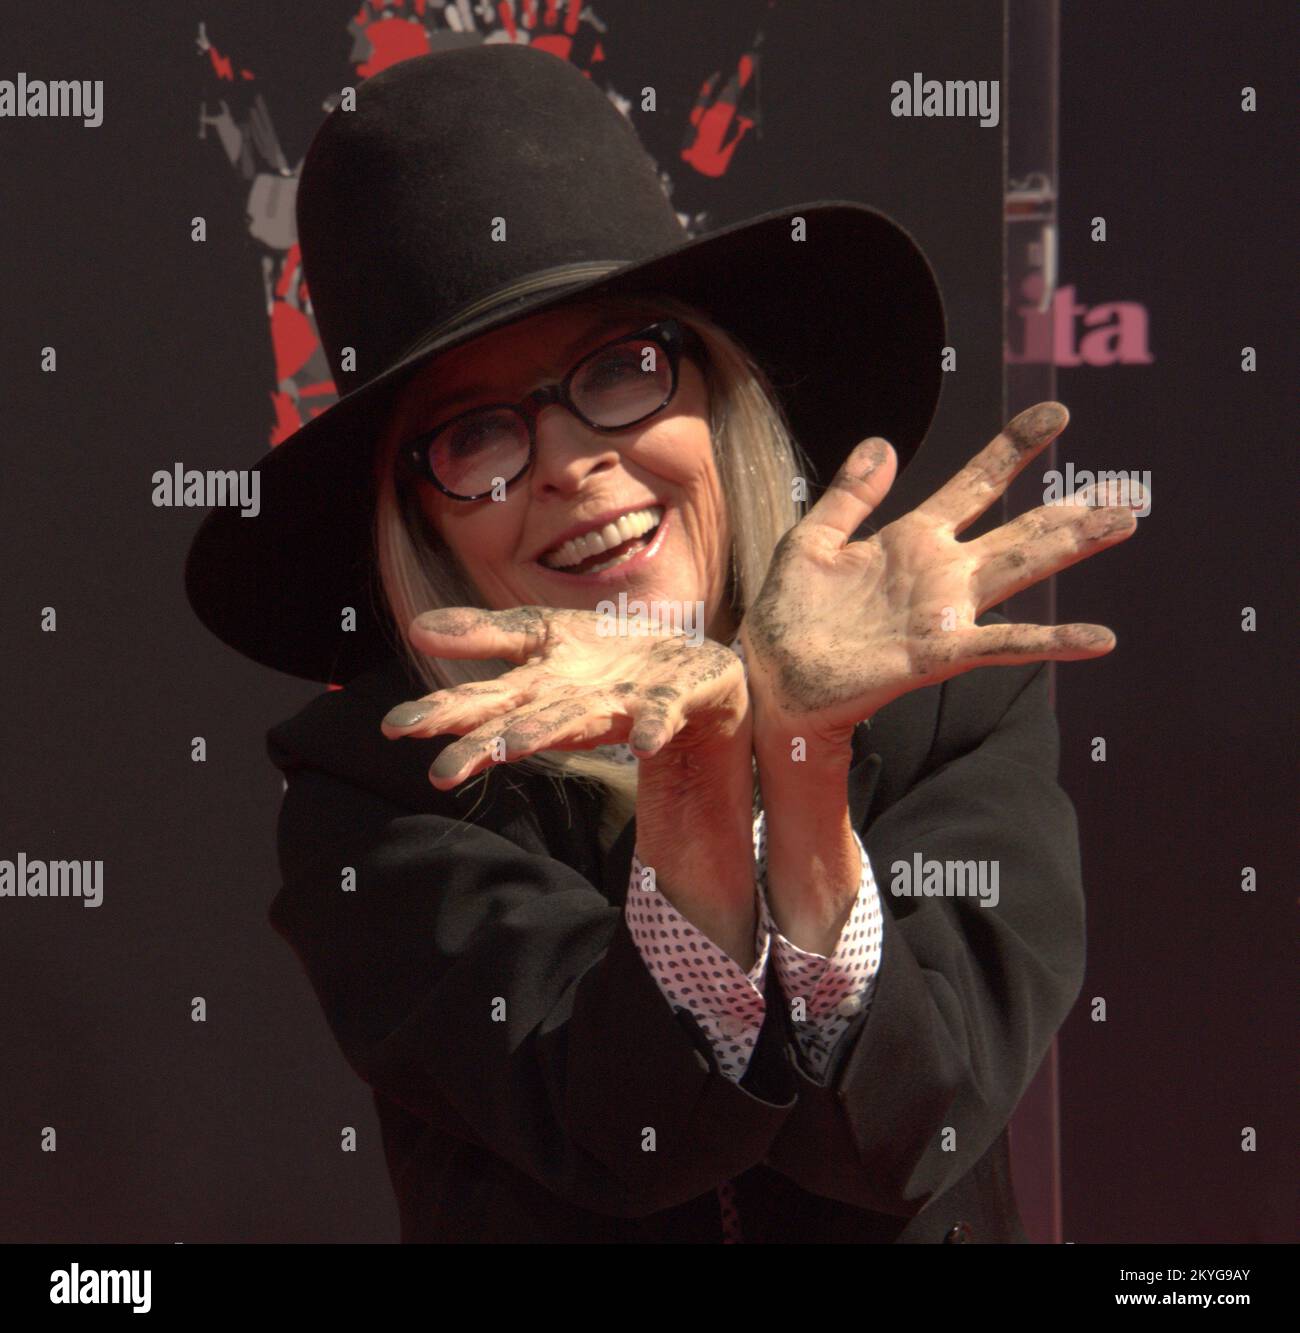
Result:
{"points": [[611, 545]]}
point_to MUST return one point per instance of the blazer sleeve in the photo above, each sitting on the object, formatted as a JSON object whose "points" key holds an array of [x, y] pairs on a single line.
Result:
{"points": [[497, 994], [968, 996]]}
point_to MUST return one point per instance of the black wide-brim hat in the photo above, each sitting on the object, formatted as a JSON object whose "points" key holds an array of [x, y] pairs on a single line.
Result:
{"points": [[400, 210]]}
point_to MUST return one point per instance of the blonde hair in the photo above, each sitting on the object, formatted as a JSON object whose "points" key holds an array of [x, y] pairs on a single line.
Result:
{"points": [[756, 458]]}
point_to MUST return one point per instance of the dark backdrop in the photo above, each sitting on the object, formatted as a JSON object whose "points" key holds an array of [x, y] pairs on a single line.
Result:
{"points": [[1200, 1030], [229, 1129]]}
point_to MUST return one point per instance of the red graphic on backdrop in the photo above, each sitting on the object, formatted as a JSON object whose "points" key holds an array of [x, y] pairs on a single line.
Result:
{"points": [[720, 119], [382, 34]]}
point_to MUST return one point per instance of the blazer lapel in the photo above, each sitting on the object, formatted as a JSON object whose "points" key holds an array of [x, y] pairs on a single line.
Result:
{"points": [[616, 864], [864, 774]]}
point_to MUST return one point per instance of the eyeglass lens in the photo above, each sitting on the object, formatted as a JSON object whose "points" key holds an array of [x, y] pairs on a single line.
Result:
{"points": [[616, 386]]}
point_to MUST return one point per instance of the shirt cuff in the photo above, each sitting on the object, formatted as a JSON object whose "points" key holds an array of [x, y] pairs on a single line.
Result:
{"points": [[825, 994], [698, 975]]}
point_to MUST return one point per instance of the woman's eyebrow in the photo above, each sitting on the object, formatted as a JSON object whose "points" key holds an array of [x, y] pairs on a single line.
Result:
{"points": [[442, 403]]}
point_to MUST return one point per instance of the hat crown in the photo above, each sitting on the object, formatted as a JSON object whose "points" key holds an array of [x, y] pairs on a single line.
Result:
{"points": [[459, 176]]}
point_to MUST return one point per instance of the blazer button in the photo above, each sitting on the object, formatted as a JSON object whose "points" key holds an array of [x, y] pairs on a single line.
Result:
{"points": [[959, 1234]]}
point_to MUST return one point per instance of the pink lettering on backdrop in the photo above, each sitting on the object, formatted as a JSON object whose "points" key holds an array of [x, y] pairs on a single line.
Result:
{"points": [[1070, 334]]}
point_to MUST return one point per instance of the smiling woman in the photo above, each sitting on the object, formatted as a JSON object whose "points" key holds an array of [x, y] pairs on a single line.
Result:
{"points": [[647, 988], [720, 446]]}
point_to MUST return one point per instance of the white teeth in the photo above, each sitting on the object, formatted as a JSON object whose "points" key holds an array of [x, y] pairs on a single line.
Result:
{"points": [[623, 529]]}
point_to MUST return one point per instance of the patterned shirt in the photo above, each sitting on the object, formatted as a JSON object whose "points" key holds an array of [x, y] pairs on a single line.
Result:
{"points": [[694, 973]]}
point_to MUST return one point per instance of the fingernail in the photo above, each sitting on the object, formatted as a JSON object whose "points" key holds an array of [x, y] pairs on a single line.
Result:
{"points": [[876, 452], [1035, 424], [406, 715], [445, 768]]}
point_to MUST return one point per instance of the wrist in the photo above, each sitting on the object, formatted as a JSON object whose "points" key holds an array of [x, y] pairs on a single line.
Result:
{"points": [[776, 731], [694, 815], [814, 870], [813, 865], [686, 778], [791, 760], [694, 828]]}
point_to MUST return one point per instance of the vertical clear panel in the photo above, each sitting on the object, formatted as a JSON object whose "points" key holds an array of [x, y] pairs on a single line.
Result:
{"points": [[1029, 134]]}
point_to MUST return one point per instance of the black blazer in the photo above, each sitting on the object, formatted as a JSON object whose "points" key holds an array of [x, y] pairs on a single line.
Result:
{"points": [[528, 1125]]}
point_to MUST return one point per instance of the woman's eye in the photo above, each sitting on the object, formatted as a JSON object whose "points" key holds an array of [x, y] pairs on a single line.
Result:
{"points": [[477, 434], [610, 369]]}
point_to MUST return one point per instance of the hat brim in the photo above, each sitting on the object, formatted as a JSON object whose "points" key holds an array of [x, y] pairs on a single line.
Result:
{"points": [[847, 322]]}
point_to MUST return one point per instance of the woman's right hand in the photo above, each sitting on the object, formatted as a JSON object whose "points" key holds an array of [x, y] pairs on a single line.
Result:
{"points": [[683, 707], [578, 685]]}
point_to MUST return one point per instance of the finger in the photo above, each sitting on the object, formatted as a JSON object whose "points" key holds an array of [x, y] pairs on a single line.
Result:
{"points": [[862, 482], [460, 707], [516, 734], [579, 724], [1041, 543], [1013, 645], [696, 680], [1116, 491], [964, 497], [654, 724], [472, 631], [475, 751]]}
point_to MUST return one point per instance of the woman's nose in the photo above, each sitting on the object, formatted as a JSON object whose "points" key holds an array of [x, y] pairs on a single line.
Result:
{"points": [[568, 450]]}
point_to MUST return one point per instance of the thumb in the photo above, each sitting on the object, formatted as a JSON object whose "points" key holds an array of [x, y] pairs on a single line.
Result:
{"points": [[473, 631], [862, 482]]}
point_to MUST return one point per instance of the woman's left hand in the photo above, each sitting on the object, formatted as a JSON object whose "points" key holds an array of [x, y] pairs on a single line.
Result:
{"points": [[840, 628], [578, 686]]}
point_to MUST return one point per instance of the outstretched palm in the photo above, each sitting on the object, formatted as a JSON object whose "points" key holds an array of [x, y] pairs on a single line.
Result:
{"points": [[577, 686], [840, 628]]}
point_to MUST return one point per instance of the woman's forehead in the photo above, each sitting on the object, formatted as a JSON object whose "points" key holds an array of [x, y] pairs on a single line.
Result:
{"points": [[538, 345]]}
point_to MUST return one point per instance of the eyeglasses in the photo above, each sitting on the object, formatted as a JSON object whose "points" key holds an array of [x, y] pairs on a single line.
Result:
{"points": [[618, 385]]}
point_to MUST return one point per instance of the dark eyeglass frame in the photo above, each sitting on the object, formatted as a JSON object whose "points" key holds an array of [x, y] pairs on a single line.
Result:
{"points": [[674, 338]]}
